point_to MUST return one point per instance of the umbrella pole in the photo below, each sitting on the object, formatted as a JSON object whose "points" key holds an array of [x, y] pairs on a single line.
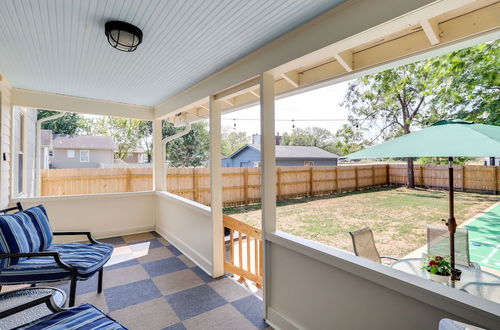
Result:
{"points": [[452, 223]]}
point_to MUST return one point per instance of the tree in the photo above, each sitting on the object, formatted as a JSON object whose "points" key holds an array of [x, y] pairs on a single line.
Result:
{"points": [[348, 139], [310, 136], [70, 123], [472, 83], [146, 129], [395, 100], [232, 141], [126, 133], [190, 150]]}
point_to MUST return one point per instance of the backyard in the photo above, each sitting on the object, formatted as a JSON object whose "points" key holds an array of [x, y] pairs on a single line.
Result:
{"points": [[397, 216]]}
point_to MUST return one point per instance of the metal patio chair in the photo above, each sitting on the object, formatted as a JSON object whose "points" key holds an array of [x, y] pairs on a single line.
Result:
{"points": [[28, 256], [438, 243], [364, 245]]}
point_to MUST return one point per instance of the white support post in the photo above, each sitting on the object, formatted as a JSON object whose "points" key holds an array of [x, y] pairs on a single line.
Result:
{"points": [[268, 174], [158, 156], [216, 188]]}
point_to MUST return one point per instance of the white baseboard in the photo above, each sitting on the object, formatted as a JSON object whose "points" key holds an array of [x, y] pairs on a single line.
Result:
{"points": [[278, 321], [198, 259]]}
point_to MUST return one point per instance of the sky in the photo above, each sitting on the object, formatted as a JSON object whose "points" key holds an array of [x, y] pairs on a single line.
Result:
{"points": [[312, 108]]}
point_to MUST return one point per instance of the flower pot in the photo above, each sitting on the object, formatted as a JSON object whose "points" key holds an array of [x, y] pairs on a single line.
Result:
{"points": [[440, 278]]}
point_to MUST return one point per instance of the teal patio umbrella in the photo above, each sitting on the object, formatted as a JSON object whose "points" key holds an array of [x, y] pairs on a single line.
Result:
{"points": [[447, 138]]}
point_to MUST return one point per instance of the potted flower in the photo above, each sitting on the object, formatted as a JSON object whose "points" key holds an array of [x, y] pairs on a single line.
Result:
{"points": [[438, 267]]}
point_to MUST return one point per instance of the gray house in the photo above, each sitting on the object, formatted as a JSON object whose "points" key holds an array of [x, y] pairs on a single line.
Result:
{"points": [[249, 156], [81, 151]]}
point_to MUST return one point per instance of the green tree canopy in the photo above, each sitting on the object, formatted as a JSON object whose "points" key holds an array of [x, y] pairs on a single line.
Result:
{"points": [[70, 123], [190, 150], [310, 136], [232, 141], [126, 133]]}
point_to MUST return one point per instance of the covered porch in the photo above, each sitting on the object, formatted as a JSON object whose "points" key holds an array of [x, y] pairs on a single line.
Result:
{"points": [[172, 248]]}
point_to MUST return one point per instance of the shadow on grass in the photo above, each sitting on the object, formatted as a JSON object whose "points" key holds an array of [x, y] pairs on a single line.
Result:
{"points": [[299, 200]]}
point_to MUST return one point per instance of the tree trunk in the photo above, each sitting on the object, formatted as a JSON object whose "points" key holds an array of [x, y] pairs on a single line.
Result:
{"points": [[411, 173]]}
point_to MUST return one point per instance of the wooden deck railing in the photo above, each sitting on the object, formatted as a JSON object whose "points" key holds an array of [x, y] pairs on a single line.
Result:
{"points": [[243, 250]]}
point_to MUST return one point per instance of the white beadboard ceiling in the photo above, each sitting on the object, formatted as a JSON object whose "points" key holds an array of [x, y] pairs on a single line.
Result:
{"points": [[59, 46]]}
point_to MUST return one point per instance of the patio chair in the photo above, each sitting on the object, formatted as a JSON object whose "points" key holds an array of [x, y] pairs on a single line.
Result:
{"points": [[85, 316], [438, 243], [364, 245], [28, 256]]}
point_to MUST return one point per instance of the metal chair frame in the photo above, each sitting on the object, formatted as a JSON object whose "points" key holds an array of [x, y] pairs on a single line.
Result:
{"points": [[57, 258], [367, 229]]}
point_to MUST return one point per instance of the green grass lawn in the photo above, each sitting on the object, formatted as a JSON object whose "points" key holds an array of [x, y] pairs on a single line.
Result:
{"points": [[397, 216]]}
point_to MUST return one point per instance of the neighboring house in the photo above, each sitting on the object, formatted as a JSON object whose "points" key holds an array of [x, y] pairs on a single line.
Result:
{"points": [[136, 156], [492, 161], [81, 151], [249, 156]]}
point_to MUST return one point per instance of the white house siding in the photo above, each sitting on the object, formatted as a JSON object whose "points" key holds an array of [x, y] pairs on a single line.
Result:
{"points": [[5, 126]]}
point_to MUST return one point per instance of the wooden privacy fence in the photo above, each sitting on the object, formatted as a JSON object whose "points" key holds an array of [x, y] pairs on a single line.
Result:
{"points": [[243, 250], [241, 186]]}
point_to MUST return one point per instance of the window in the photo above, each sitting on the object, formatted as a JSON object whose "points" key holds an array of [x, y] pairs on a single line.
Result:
{"points": [[256, 164], [84, 156], [20, 152], [130, 155], [51, 153], [70, 154], [309, 163]]}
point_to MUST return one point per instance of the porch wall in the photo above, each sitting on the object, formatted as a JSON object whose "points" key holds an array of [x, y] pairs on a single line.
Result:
{"points": [[5, 130], [319, 287], [104, 215], [188, 226]]}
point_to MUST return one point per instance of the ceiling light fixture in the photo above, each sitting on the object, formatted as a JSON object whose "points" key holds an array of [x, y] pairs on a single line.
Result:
{"points": [[123, 36]]}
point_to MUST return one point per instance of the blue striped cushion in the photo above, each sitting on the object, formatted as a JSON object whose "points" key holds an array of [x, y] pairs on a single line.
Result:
{"points": [[82, 317], [87, 258], [15, 237], [37, 215]]}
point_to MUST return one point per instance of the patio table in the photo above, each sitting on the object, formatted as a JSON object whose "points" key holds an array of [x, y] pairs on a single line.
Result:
{"points": [[474, 281]]}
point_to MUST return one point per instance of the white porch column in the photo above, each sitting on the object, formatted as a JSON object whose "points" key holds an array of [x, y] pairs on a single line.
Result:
{"points": [[216, 188], [158, 161], [268, 174]]}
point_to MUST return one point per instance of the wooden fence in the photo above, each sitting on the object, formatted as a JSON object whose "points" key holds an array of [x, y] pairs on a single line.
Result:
{"points": [[242, 185]]}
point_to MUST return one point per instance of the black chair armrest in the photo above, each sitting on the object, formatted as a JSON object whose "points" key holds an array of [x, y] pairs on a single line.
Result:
{"points": [[87, 233], [52, 254], [43, 300]]}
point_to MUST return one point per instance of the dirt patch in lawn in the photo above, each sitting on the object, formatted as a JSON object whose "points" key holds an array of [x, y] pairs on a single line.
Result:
{"points": [[397, 216]]}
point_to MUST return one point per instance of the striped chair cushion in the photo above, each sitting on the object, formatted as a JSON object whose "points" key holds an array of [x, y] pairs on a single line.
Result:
{"points": [[87, 258], [37, 215], [16, 236], [82, 317]]}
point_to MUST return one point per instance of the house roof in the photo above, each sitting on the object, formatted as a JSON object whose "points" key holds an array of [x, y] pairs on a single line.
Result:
{"points": [[295, 152], [46, 138], [63, 141]]}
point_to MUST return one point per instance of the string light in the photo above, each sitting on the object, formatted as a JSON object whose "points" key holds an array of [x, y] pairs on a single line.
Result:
{"points": [[293, 124]]}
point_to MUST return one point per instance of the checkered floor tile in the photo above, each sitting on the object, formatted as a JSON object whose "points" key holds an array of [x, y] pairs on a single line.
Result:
{"points": [[149, 284]]}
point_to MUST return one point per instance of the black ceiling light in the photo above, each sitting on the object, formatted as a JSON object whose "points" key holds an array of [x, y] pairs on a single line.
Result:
{"points": [[123, 36]]}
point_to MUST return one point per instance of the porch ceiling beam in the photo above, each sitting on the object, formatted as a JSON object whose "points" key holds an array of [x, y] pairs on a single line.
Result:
{"points": [[345, 59], [348, 19], [60, 102], [292, 77], [458, 32], [431, 29]]}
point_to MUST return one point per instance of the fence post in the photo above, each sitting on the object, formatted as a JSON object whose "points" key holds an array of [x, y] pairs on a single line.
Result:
{"points": [[278, 179], [387, 168], [497, 185], [245, 185], [337, 178], [463, 177], [373, 175], [127, 181], [356, 184], [311, 178], [195, 185]]}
